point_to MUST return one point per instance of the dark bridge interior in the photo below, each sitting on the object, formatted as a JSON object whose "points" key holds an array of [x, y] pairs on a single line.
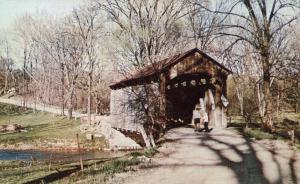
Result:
{"points": [[183, 94]]}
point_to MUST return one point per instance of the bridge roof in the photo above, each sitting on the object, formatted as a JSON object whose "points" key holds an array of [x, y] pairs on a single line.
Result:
{"points": [[152, 71]]}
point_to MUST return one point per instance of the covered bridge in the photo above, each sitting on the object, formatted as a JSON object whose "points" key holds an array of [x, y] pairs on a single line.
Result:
{"points": [[184, 80]]}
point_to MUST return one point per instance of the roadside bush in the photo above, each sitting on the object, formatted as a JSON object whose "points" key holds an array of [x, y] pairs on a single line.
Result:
{"points": [[136, 154], [6, 109], [119, 165], [258, 134], [150, 152]]}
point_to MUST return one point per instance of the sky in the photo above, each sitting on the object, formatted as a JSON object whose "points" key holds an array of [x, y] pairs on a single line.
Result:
{"points": [[11, 9]]}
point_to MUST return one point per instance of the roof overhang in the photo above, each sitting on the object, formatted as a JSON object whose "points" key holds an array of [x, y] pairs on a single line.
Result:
{"points": [[152, 72]]}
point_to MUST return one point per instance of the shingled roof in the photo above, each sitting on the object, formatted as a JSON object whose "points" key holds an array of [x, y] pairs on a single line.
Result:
{"points": [[152, 72]]}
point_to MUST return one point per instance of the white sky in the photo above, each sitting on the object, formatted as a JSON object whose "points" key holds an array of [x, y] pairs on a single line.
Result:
{"points": [[11, 9]]}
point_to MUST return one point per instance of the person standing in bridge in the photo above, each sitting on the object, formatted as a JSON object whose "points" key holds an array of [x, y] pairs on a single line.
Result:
{"points": [[196, 118], [204, 118]]}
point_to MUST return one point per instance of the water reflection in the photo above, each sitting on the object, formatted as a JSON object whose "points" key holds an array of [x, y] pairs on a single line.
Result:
{"points": [[64, 156]]}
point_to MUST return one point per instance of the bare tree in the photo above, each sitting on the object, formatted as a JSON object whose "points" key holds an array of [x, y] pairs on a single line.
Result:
{"points": [[260, 25], [54, 47], [7, 65], [74, 64], [202, 25], [24, 28], [146, 31], [87, 19]]}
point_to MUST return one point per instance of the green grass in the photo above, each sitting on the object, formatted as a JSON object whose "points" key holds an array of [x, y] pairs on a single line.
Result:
{"points": [[258, 134], [95, 171], [6, 109], [41, 127], [119, 165], [291, 116], [23, 171], [46, 127], [147, 153], [100, 172], [254, 130], [150, 152], [237, 119]]}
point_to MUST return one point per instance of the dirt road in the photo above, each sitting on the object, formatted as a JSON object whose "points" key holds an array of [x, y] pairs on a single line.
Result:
{"points": [[222, 156], [39, 107]]}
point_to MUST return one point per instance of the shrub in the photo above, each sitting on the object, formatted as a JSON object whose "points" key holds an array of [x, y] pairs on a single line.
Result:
{"points": [[150, 152], [118, 165], [258, 134]]}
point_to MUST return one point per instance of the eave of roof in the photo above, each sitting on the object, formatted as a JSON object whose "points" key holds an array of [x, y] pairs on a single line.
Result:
{"points": [[151, 72]]}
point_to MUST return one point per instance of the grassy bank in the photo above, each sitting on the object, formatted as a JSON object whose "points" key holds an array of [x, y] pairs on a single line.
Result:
{"points": [[254, 131], [43, 130], [95, 171], [39, 172]]}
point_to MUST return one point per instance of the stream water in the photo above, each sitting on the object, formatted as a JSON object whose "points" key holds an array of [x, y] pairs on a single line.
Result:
{"points": [[58, 156]]}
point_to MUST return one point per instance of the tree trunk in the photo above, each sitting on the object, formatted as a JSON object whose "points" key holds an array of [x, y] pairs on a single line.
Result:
{"points": [[24, 78], [162, 90], [62, 90], [268, 116], [242, 107], [6, 82], [145, 136], [70, 110], [49, 86], [98, 105], [70, 106], [35, 101], [260, 97], [89, 98], [152, 139], [278, 104], [150, 131], [240, 96]]}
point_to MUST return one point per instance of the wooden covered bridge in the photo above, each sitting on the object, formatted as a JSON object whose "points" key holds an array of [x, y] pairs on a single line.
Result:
{"points": [[184, 80]]}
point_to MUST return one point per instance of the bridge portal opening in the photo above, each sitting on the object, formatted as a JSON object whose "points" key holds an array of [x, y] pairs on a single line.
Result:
{"points": [[183, 94]]}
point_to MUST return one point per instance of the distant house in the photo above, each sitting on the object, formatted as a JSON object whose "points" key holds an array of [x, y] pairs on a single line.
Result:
{"points": [[184, 79]]}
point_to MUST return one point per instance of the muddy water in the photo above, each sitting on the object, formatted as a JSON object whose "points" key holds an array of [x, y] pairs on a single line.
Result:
{"points": [[58, 156]]}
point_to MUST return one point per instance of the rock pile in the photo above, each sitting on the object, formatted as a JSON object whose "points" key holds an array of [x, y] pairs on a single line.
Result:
{"points": [[115, 139], [11, 128]]}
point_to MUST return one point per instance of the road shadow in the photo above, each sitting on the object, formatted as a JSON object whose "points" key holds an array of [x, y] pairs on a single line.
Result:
{"points": [[249, 170], [252, 167], [250, 161]]}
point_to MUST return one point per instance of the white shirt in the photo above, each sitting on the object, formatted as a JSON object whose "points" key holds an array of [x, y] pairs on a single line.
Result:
{"points": [[201, 100], [196, 114]]}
